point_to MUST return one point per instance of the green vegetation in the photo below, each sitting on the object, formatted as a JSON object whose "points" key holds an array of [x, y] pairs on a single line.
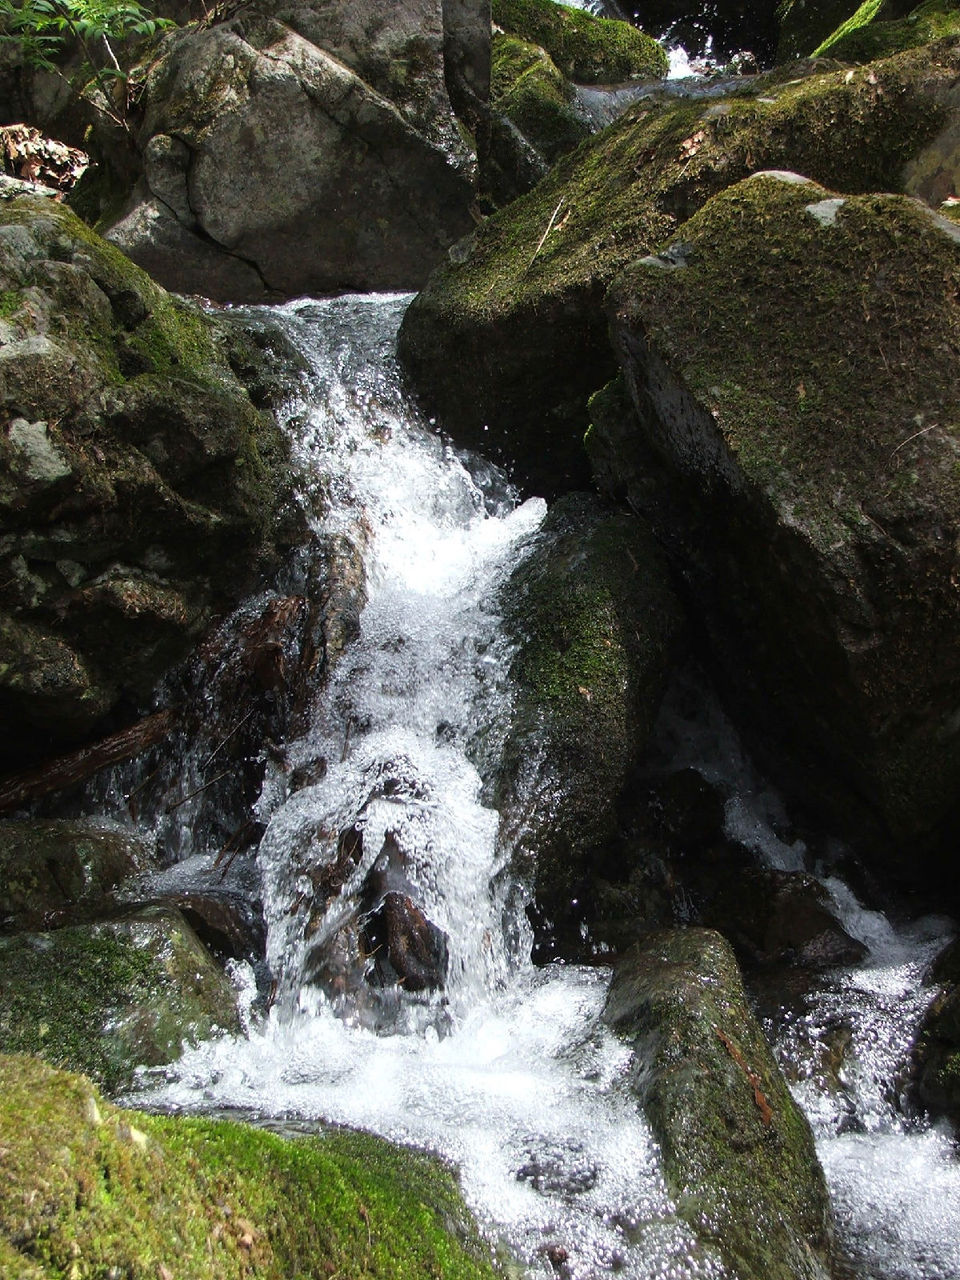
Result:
{"points": [[89, 1191], [106, 998], [870, 33], [586, 49], [529, 90], [43, 32]]}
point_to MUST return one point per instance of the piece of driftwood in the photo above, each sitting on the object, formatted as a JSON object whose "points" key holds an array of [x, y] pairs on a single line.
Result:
{"points": [[19, 789]]}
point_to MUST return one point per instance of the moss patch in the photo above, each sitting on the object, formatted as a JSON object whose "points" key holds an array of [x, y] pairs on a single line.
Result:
{"points": [[106, 998], [588, 50], [529, 90], [872, 32], [90, 1191]]}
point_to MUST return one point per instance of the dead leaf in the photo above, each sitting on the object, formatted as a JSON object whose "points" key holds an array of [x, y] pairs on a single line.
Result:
{"points": [[690, 146]]}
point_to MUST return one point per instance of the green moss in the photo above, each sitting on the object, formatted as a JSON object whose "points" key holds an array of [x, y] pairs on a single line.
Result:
{"points": [[11, 302], [529, 90], [106, 998], [870, 33], [803, 24], [90, 1191], [507, 343], [586, 49]]}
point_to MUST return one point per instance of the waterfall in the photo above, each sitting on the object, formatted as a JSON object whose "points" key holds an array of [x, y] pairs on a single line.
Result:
{"points": [[383, 787], [500, 1067]]}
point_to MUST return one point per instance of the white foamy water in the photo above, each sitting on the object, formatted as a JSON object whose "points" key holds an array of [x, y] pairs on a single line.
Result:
{"points": [[506, 1071]]}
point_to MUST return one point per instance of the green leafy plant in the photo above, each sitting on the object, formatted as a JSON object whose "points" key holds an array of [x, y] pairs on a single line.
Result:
{"points": [[43, 31]]}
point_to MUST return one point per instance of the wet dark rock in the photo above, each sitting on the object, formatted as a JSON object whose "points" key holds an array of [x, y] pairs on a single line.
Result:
{"points": [[56, 870], [227, 922], [774, 917], [405, 948], [124, 484], [738, 1153], [820, 563], [109, 997], [936, 1050], [596, 624]]}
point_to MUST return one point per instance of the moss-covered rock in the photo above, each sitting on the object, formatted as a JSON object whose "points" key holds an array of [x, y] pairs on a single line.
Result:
{"points": [[879, 29], [588, 50], [596, 623], [793, 356], [48, 869], [109, 997], [89, 1190], [132, 467], [529, 91], [805, 24], [738, 1153], [506, 343]]}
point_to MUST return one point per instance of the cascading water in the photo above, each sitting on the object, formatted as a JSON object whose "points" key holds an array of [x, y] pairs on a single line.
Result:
{"points": [[503, 1068]]}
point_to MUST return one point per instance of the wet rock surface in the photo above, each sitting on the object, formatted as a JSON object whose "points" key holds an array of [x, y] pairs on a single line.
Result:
{"points": [[738, 1153], [596, 623]]}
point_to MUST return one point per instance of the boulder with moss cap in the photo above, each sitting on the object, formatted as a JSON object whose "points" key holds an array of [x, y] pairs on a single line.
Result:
{"points": [[792, 357], [507, 342]]}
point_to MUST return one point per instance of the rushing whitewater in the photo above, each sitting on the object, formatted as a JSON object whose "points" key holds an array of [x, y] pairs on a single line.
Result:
{"points": [[503, 1068], [506, 1069]]}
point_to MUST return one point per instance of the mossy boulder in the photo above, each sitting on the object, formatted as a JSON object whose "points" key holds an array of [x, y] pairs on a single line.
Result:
{"points": [[507, 342], [586, 49], [89, 1190], [596, 625], [529, 91], [793, 356], [294, 149], [738, 1154], [109, 997], [53, 869], [133, 466], [879, 29]]}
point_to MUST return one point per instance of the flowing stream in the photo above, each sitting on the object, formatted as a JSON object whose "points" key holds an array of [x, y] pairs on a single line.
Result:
{"points": [[505, 1069]]}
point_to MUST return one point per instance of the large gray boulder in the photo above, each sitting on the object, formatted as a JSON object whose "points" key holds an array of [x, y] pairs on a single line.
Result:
{"points": [[305, 148]]}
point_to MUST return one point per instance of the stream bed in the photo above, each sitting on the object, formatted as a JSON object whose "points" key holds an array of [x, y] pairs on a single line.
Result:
{"points": [[505, 1069]]}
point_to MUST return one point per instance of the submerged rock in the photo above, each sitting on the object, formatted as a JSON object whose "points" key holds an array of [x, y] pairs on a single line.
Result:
{"points": [[810, 498], [508, 341], [596, 624], [109, 997], [738, 1154], [133, 466], [90, 1189]]}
